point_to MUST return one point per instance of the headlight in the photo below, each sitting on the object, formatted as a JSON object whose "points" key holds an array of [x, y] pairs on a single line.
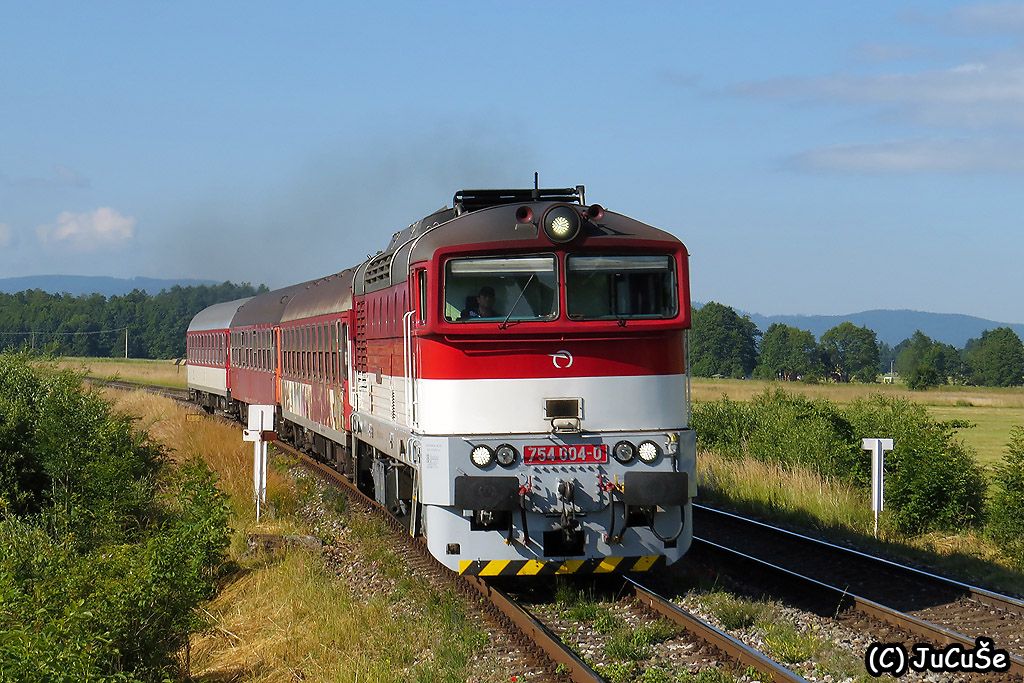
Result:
{"points": [[624, 451], [562, 224], [505, 454], [648, 451], [482, 456]]}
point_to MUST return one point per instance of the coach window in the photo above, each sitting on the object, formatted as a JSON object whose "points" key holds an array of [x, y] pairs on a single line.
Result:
{"points": [[621, 287], [306, 360], [524, 288], [322, 334]]}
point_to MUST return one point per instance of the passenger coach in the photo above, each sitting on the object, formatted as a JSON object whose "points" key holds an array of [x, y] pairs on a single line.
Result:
{"points": [[508, 376]]}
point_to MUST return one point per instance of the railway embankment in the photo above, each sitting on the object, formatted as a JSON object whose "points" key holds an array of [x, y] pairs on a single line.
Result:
{"points": [[356, 610]]}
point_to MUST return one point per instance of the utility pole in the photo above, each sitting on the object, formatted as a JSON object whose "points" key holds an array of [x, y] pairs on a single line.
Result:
{"points": [[126, 342]]}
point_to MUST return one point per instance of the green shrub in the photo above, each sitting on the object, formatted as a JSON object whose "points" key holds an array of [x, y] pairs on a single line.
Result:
{"points": [[106, 551], [932, 480], [788, 645], [733, 612], [606, 622], [1006, 510], [789, 429]]}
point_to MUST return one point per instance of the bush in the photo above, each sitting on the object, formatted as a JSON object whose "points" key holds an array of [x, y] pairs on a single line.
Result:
{"points": [[105, 551], [932, 481], [776, 426], [1006, 511]]}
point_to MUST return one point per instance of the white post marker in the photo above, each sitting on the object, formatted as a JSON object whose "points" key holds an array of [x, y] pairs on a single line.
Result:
{"points": [[878, 448], [260, 431]]}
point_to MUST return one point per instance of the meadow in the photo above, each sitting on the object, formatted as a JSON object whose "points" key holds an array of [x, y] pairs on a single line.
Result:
{"points": [[992, 410], [162, 373]]}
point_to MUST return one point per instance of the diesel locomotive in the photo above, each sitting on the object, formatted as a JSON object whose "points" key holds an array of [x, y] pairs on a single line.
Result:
{"points": [[508, 377]]}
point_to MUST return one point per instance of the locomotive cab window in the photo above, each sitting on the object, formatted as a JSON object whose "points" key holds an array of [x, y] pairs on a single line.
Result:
{"points": [[621, 287], [489, 289]]}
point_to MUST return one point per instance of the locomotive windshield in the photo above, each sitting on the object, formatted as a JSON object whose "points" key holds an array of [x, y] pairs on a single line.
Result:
{"points": [[620, 287], [512, 288]]}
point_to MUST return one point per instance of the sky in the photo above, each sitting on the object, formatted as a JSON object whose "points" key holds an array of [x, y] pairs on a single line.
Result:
{"points": [[818, 158]]}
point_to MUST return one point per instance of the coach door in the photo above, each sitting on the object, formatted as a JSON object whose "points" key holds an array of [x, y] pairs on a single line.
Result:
{"points": [[345, 371]]}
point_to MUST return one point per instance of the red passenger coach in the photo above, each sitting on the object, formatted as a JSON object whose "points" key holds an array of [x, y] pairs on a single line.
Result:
{"points": [[207, 356], [508, 377], [254, 368]]}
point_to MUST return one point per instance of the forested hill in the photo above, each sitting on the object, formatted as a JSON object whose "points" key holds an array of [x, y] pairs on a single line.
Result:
{"points": [[891, 326], [93, 284], [93, 325]]}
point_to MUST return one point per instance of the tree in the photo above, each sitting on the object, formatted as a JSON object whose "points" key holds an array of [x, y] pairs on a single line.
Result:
{"points": [[722, 342], [925, 362], [850, 352], [787, 353], [996, 358]]}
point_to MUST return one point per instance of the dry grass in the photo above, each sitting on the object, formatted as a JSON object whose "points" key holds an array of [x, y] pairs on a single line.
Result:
{"points": [[162, 373], [804, 499], [187, 433], [286, 618], [784, 490], [291, 620], [743, 390]]}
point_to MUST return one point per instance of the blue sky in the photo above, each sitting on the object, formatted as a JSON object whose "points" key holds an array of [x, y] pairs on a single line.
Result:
{"points": [[814, 157]]}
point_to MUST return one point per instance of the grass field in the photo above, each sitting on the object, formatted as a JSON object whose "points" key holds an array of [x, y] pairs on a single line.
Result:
{"points": [[159, 372], [993, 411]]}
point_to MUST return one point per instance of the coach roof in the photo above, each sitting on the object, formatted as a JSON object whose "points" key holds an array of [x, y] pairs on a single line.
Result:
{"points": [[217, 316], [266, 309], [330, 294]]}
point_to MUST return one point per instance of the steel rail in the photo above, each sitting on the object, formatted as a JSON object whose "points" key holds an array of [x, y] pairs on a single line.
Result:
{"points": [[732, 647], [990, 598], [861, 604]]}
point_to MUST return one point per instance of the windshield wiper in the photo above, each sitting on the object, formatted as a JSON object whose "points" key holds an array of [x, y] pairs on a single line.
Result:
{"points": [[504, 323]]}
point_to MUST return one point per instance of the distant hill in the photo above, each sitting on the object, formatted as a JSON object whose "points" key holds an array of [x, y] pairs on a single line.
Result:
{"points": [[89, 284], [893, 327]]}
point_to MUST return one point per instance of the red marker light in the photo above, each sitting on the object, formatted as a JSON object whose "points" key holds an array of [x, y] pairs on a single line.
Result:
{"points": [[524, 214], [595, 212]]}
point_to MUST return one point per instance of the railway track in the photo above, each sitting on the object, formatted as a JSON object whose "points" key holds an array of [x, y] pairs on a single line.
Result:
{"points": [[534, 635], [926, 605]]}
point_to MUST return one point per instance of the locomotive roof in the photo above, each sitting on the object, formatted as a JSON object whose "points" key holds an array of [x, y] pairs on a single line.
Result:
{"points": [[494, 222], [266, 309], [329, 294], [217, 316]]}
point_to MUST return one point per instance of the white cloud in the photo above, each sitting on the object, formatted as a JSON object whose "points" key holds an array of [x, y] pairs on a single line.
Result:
{"points": [[973, 94], [90, 230], [910, 156], [990, 16], [5, 234]]}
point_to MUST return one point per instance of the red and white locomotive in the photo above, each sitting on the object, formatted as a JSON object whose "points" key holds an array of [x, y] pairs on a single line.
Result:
{"points": [[508, 377]]}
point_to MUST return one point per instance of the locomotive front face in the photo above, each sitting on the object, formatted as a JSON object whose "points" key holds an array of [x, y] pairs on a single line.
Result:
{"points": [[552, 407]]}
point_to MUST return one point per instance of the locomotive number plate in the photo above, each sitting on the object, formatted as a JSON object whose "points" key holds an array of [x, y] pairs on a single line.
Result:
{"points": [[565, 455]]}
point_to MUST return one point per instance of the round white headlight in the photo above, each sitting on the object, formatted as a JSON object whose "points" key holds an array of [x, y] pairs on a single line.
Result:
{"points": [[562, 224], [624, 451], [482, 456], [648, 451], [505, 454]]}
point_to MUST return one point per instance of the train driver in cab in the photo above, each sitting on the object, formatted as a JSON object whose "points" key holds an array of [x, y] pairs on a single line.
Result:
{"points": [[484, 305]]}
